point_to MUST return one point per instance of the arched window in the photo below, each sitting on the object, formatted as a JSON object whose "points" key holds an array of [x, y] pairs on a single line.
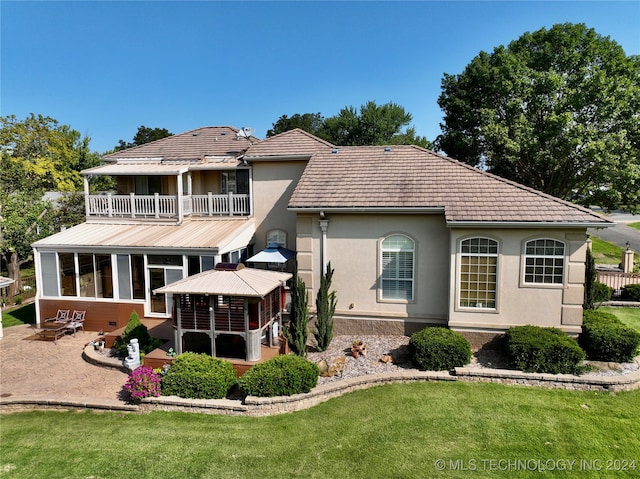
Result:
{"points": [[478, 273], [397, 268], [544, 261], [278, 237]]}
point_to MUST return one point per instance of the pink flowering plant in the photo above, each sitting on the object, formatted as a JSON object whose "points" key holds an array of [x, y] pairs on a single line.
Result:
{"points": [[143, 382]]}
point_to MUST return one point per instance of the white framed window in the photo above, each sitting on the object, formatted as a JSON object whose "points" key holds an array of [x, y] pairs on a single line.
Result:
{"points": [[278, 237], [397, 268], [478, 273], [544, 261]]}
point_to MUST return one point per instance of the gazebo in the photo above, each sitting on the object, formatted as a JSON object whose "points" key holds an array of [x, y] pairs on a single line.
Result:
{"points": [[229, 312]]}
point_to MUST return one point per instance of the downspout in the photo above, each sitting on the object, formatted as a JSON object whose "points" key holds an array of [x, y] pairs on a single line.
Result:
{"points": [[324, 225], [86, 196]]}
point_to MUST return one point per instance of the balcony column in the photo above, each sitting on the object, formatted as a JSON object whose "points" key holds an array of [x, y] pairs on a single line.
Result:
{"points": [[86, 195], [179, 199]]}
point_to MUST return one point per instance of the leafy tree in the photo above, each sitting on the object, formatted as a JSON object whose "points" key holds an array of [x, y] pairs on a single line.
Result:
{"points": [[297, 331], [325, 309], [144, 135], [373, 125], [23, 220], [38, 155], [556, 110], [309, 122]]}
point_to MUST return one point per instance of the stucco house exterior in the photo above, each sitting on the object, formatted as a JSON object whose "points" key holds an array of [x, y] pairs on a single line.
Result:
{"points": [[415, 238]]}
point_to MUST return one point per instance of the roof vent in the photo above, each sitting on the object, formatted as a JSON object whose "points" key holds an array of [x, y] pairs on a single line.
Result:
{"points": [[195, 134], [223, 133], [387, 148], [335, 150]]}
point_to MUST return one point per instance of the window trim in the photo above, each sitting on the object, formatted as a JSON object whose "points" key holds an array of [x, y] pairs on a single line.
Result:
{"points": [[458, 279], [413, 279], [523, 264]]}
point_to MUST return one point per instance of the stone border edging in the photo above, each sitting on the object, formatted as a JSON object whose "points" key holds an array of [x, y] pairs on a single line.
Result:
{"points": [[625, 382], [268, 406]]}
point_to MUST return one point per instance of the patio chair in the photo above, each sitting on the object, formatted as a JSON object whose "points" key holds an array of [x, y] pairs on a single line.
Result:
{"points": [[76, 322], [62, 316]]}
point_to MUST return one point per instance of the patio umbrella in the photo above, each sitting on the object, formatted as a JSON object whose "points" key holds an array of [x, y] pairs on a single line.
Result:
{"points": [[273, 254]]}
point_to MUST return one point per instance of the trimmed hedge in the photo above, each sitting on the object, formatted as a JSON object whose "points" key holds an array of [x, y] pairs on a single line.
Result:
{"points": [[438, 349], [199, 376], [543, 350], [632, 292], [281, 376], [605, 338]]}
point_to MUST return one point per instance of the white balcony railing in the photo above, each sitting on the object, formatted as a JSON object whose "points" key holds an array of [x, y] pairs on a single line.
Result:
{"points": [[165, 206]]}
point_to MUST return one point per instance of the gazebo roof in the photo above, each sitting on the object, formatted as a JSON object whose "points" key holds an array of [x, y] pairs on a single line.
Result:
{"points": [[247, 282]]}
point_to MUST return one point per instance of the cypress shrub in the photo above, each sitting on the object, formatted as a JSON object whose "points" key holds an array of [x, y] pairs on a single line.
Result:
{"points": [[543, 350], [199, 376], [325, 309], [589, 281], [437, 349], [605, 338], [297, 331], [135, 329], [281, 376]]}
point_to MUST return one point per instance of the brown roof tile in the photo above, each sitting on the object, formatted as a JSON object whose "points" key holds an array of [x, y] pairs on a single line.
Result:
{"points": [[294, 142], [411, 177], [191, 145]]}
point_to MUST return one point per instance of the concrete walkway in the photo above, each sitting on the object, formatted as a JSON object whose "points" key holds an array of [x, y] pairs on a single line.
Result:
{"points": [[41, 370]]}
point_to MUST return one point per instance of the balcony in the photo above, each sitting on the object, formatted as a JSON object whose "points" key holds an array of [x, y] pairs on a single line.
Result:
{"points": [[157, 206]]}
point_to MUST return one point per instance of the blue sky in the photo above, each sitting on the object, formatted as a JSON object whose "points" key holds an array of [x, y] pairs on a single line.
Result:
{"points": [[105, 68]]}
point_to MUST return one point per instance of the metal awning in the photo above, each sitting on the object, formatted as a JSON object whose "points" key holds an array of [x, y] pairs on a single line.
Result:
{"points": [[247, 282], [273, 254], [4, 282]]}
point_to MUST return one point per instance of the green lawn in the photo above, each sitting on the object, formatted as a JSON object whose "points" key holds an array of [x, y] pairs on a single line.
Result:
{"points": [[634, 225], [607, 253], [629, 316], [392, 431], [25, 314]]}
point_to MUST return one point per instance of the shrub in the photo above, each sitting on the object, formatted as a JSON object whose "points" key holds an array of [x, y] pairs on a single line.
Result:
{"points": [[601, 292], [18, 299], [605, 338], [135, 329], [437, 349], [632, 292], [199, 376], [143, 382], [280, 376], [297, 331], [543, 350]]}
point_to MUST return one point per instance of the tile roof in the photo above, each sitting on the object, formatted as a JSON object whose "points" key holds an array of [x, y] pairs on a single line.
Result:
{"points": [[410, 177], [294, 142], [191, 145], [192, 233]]}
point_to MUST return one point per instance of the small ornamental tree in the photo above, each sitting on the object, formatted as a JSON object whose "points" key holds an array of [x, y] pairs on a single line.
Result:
{"points": [[589, 280], [325, 308], [297, 331]]}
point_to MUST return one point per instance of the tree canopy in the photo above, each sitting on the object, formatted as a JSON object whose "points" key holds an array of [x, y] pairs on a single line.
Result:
{"points": [[374, 124], [38, 155], [144, 135], [557, 110]]}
